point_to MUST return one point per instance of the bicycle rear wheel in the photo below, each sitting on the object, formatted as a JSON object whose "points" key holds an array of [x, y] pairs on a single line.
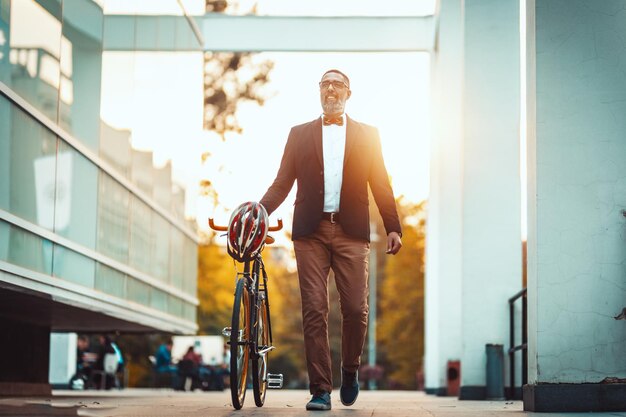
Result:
{"points": [[259, 364], [239, 344]]}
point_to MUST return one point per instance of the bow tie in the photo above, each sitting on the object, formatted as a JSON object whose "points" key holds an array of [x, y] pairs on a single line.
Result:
{"points": [[332, 121]]}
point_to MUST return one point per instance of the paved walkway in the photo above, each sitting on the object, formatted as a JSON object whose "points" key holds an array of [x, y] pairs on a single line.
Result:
{"points": [[166, 403]]}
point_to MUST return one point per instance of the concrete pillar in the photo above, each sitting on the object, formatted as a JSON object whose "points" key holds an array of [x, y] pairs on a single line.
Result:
{"points": [[491, 220], [62, 359], [443, 248], [576, 95]]}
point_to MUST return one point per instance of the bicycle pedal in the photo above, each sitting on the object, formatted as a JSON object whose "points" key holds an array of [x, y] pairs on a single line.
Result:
{"points": [[275, 381], [226, 331]]}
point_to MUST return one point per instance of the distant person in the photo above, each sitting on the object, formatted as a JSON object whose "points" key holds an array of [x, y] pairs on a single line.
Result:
{"points": [[164, 357], [334, 159], [189, 367], [84, 363], [163, 363], [120, 362], [106, 347], [191, 355]]}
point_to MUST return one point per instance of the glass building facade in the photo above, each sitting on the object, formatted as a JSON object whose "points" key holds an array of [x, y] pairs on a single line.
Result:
{"points": [[86, 221]]}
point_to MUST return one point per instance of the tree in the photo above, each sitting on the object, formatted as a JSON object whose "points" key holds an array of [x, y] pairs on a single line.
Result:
{"points": [[216, 279], [400, 331], [229, 79]]}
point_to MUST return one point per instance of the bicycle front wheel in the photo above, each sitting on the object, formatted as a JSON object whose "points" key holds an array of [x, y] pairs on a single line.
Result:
{"points": [[239, 344], [259, 364]]}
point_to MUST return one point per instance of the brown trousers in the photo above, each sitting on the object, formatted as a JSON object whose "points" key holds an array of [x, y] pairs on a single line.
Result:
{"points": [[329, 247]]}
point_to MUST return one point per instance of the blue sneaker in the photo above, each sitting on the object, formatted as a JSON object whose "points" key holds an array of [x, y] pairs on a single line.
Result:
{"points": [[320, 401], [349, 387]]}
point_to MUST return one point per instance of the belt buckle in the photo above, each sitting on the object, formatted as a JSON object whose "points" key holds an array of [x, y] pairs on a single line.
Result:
{"points": [[332, 218]]}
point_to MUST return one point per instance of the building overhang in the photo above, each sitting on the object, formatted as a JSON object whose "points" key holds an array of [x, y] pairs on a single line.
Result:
{"points": [[220, 32], [39, 299]]}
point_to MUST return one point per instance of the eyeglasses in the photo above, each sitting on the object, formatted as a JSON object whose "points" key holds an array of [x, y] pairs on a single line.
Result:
{"points": [[337, 85]]}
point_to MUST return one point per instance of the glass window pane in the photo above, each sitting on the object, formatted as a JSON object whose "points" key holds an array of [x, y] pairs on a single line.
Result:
{"points": [[158, 299], [178, 201], [136, 110], [140, 232], [5, 233], [25, 249], [162, 188], [110, 281], [190, 267], [117, 109], [176, 257], [138, 291], [76, 197], [27, 166], [160, 247], [142, 170], [113, 210], [81, 69], [115, 148], [189, 312], [175, 306], [5, 64], [5, 152], [34, 38], [73, 266]]}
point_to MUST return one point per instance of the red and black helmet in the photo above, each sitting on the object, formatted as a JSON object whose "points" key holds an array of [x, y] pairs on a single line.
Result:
{"points": [[247, 230]]}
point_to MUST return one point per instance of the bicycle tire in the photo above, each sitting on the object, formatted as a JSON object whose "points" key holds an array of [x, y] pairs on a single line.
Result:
{"points": [[239, 347], [260, 363]]}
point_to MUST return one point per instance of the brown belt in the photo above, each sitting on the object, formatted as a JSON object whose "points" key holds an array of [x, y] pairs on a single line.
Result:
{"points": [[333, 217]]}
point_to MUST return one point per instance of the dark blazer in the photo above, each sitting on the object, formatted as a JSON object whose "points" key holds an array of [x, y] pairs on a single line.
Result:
{"points": [[363, 163]]}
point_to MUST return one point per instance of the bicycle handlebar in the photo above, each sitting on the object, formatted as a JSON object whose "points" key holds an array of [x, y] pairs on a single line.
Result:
{"points": [[217, 228], [277, 227], [213, 226]]}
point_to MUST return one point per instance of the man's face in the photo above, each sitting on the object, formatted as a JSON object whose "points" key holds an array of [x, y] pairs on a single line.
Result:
{"points": [[333, 94]]}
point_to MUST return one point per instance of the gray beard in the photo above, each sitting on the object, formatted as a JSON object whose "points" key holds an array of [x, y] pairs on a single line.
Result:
{"points": [[333, 108]]}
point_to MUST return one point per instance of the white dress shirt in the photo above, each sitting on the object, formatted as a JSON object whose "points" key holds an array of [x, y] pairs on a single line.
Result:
{"points": [[333, 147]]}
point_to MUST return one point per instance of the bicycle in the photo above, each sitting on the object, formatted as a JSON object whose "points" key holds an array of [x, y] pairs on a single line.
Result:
{"points": [[250, 333]]}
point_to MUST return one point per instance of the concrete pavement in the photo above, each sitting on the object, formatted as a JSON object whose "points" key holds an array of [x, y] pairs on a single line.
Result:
{"points": [[167, 403]]}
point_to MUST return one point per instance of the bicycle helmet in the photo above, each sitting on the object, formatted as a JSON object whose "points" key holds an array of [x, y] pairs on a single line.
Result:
{"points": [[247, 230]]}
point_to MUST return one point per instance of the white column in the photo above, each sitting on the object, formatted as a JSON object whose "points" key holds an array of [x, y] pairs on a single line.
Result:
{"points": [[62, 358], [492, 243], [577, 191], [443, 248]]}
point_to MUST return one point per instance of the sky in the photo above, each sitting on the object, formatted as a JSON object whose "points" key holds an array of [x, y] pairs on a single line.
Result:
{"points": [[159, 97]]}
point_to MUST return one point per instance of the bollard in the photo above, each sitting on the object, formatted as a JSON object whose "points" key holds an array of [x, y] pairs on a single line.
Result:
{"points": [[495, 371], [453, 378]]}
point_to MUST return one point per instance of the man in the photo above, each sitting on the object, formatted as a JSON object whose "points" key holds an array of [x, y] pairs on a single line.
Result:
{"points": [[334, 158]]}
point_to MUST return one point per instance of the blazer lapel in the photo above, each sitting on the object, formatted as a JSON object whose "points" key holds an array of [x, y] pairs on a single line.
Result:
{"points": [[351, 137], [317, 140]]}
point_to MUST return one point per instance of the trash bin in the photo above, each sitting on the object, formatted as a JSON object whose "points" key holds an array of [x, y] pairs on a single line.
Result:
{"points": [[453, 378], [495, 371]]}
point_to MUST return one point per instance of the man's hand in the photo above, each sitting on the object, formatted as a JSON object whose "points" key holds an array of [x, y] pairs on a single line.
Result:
{"points": [[394, 243]]}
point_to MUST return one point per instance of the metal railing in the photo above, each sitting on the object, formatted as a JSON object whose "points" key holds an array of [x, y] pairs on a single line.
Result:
{"points": [[523, 346]]}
